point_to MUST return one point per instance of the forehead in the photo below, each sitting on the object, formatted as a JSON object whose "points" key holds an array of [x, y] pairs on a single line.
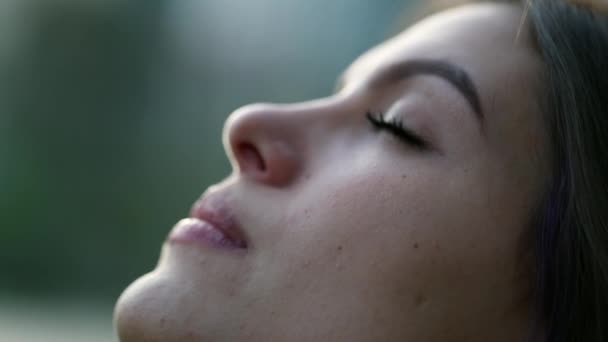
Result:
{"points": [[488, 41]]}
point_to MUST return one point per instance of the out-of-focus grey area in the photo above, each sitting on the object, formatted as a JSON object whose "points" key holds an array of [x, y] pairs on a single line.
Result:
{"points": [[110, 127]]}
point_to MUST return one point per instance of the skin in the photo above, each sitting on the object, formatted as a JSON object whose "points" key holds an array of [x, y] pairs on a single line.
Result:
{"points": [[356, 235]]}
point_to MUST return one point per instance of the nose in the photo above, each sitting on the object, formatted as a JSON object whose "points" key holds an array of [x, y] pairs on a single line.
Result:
{"points": [[262, 144]]}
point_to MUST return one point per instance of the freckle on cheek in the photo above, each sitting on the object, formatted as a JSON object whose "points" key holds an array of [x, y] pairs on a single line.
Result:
{"points": [[416, 245], [420, 300]]}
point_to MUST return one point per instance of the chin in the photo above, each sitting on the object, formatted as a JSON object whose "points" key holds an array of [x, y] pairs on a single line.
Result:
{"points": [[148, 310]]}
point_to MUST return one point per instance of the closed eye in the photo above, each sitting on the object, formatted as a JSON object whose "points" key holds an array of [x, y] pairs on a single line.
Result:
{"points": [[395, 127]]}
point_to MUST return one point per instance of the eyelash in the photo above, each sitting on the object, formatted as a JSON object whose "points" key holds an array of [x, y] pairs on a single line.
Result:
{"points": [[395, 127]]}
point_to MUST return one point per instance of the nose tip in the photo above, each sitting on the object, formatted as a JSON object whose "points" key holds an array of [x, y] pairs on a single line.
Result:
{"points": [[260, 143]]}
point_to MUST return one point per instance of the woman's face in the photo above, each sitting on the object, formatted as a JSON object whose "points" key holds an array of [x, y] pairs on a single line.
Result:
{"points": [[358, 231]]}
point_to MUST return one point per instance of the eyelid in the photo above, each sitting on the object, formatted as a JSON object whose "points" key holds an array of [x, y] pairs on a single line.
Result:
{"points": [[396, 127]]}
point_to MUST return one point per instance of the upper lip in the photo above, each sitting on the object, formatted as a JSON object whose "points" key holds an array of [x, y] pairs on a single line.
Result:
{"points": [[215, 210]]}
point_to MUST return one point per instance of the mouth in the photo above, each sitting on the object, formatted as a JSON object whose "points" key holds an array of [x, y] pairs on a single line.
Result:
{"points": [[211, 224]]}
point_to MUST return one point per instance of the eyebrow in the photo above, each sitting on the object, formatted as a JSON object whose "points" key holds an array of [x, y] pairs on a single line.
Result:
{"points": [[450, 72]]}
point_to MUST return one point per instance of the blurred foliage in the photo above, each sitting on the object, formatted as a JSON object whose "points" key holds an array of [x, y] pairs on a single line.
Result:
{"points": [[111, 115]]}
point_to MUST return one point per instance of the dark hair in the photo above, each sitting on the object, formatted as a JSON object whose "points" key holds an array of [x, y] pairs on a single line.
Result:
{"points": [[571, 236]]}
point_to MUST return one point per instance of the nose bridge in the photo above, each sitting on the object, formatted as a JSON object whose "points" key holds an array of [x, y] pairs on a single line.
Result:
{"points": [[281, 121], [269, 115], [254, 122]]}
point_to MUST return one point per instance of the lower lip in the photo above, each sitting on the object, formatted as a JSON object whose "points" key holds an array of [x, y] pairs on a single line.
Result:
{"points": [[202, 233]]}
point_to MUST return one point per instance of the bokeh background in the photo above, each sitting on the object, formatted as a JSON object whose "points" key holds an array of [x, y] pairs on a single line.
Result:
{"points": [[110, 127]]}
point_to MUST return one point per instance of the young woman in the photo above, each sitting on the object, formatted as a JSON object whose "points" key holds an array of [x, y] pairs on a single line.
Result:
{"points": [[455, 188]]}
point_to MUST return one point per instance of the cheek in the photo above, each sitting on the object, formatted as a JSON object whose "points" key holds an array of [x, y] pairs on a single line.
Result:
{"points": [[405, 236], [366, 224]]}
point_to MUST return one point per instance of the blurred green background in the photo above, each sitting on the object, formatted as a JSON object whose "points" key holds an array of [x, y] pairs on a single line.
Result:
{"points": [[110, 122]]}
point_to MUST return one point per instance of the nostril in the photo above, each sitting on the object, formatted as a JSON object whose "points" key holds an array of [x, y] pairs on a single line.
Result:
{"points": [[250, 158]]}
